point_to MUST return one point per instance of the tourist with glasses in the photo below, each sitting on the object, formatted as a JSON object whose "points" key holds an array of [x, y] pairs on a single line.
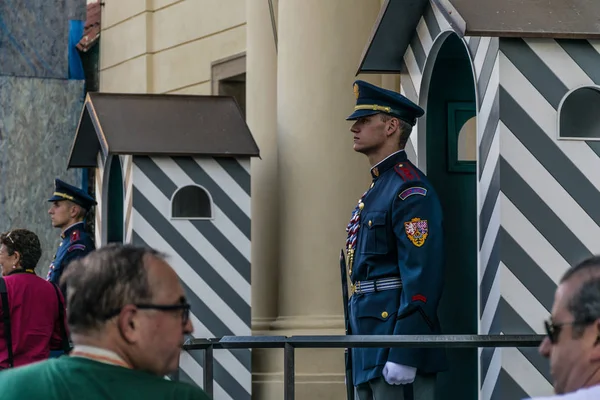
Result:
{"points": [[32, 318], [572, 343], [129, 318]]}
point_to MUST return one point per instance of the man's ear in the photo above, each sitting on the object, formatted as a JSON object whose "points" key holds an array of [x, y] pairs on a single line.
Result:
{"points": [[392, 126], [595, 350], [74, 210], [129, 324]]}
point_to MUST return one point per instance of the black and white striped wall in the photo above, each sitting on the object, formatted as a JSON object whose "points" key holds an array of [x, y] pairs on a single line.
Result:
{"points": [[537, 194], [211, 256]]}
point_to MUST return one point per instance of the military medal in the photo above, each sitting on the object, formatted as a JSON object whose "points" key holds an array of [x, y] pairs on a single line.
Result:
{"points": [[352, 230]]}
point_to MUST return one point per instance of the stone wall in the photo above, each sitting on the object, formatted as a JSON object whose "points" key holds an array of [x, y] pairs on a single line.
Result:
{"points": [[38, 118], [35, 35]]}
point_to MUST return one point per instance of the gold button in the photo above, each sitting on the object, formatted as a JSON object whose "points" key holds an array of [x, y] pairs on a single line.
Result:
{"points": [[384, 314], [361, 205], [370, 223]]}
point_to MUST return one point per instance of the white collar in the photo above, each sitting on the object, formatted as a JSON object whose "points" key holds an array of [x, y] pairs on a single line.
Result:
{"points": [[70, 226], [394, 153]]}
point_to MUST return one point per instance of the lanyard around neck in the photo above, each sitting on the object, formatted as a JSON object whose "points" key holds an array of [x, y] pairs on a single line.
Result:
{"points": [[106, 359]]}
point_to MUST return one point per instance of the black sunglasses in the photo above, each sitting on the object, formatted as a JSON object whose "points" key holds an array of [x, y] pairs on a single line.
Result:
{"points": [[183, 307], [553, 330]]}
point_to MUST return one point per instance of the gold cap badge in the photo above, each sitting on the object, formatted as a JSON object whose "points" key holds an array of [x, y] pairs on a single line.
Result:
{"points": [[356, 90]]}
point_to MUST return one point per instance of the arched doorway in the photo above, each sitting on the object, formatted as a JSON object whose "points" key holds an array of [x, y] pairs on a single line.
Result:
{"points": [[114, 210], [451, 143]]}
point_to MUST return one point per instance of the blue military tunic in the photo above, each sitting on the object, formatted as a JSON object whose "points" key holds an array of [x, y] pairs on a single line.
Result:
{"points": [[75, 243], [396, 233]]}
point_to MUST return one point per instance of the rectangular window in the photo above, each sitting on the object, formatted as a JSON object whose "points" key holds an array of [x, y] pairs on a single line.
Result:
{"points": [[229, 79], [462, 137]]}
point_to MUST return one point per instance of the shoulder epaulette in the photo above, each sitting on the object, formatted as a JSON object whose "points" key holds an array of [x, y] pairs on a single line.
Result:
{"points": [[75, 235], [407, 172]]}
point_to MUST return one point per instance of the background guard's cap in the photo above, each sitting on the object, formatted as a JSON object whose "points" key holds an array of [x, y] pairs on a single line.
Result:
{"points": [[64, 191]]}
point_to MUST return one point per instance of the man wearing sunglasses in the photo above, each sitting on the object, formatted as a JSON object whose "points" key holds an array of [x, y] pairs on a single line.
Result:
{"points": [[573, 334], [128, 317]]}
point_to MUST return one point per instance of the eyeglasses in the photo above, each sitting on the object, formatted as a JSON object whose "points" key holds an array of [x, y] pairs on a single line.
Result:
{"points": [[183, 307], [553, 330]]}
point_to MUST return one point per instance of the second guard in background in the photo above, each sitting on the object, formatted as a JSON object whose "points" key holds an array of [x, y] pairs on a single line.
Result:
{"points": [[69, 208], [394, 253]]}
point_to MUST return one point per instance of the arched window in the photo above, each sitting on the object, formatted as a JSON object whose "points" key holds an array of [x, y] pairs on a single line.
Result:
{"points": [[578, 116], [191, 202]]}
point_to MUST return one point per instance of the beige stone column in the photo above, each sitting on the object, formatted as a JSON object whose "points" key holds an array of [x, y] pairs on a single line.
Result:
{"points": [[320, 177], [261, 105], [261, 116]]}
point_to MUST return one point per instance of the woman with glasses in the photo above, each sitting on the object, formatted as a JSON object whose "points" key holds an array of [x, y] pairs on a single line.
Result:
{"points": [[32, 311]]}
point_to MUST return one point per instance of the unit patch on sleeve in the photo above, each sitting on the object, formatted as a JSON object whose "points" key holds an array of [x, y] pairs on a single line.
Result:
{"points": [[417, 231], [76, 247], [411, 191]]}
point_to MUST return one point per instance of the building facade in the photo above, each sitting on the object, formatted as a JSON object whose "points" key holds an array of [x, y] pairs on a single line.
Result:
{"points": [[290, 66], [489, 143]]}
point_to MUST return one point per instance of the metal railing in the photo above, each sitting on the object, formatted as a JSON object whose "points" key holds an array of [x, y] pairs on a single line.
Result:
{"points": [[290, 343]]}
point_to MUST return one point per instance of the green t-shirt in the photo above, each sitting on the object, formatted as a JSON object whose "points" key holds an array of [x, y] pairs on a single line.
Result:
{"points": [[75, 378]]}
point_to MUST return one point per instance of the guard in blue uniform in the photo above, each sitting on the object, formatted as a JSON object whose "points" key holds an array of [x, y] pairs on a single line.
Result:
{"points": [[395, 254], [69, 208]]}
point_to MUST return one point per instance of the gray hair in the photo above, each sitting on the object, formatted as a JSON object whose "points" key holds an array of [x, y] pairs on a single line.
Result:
{"points": [[585, 303], [104, 281]]}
